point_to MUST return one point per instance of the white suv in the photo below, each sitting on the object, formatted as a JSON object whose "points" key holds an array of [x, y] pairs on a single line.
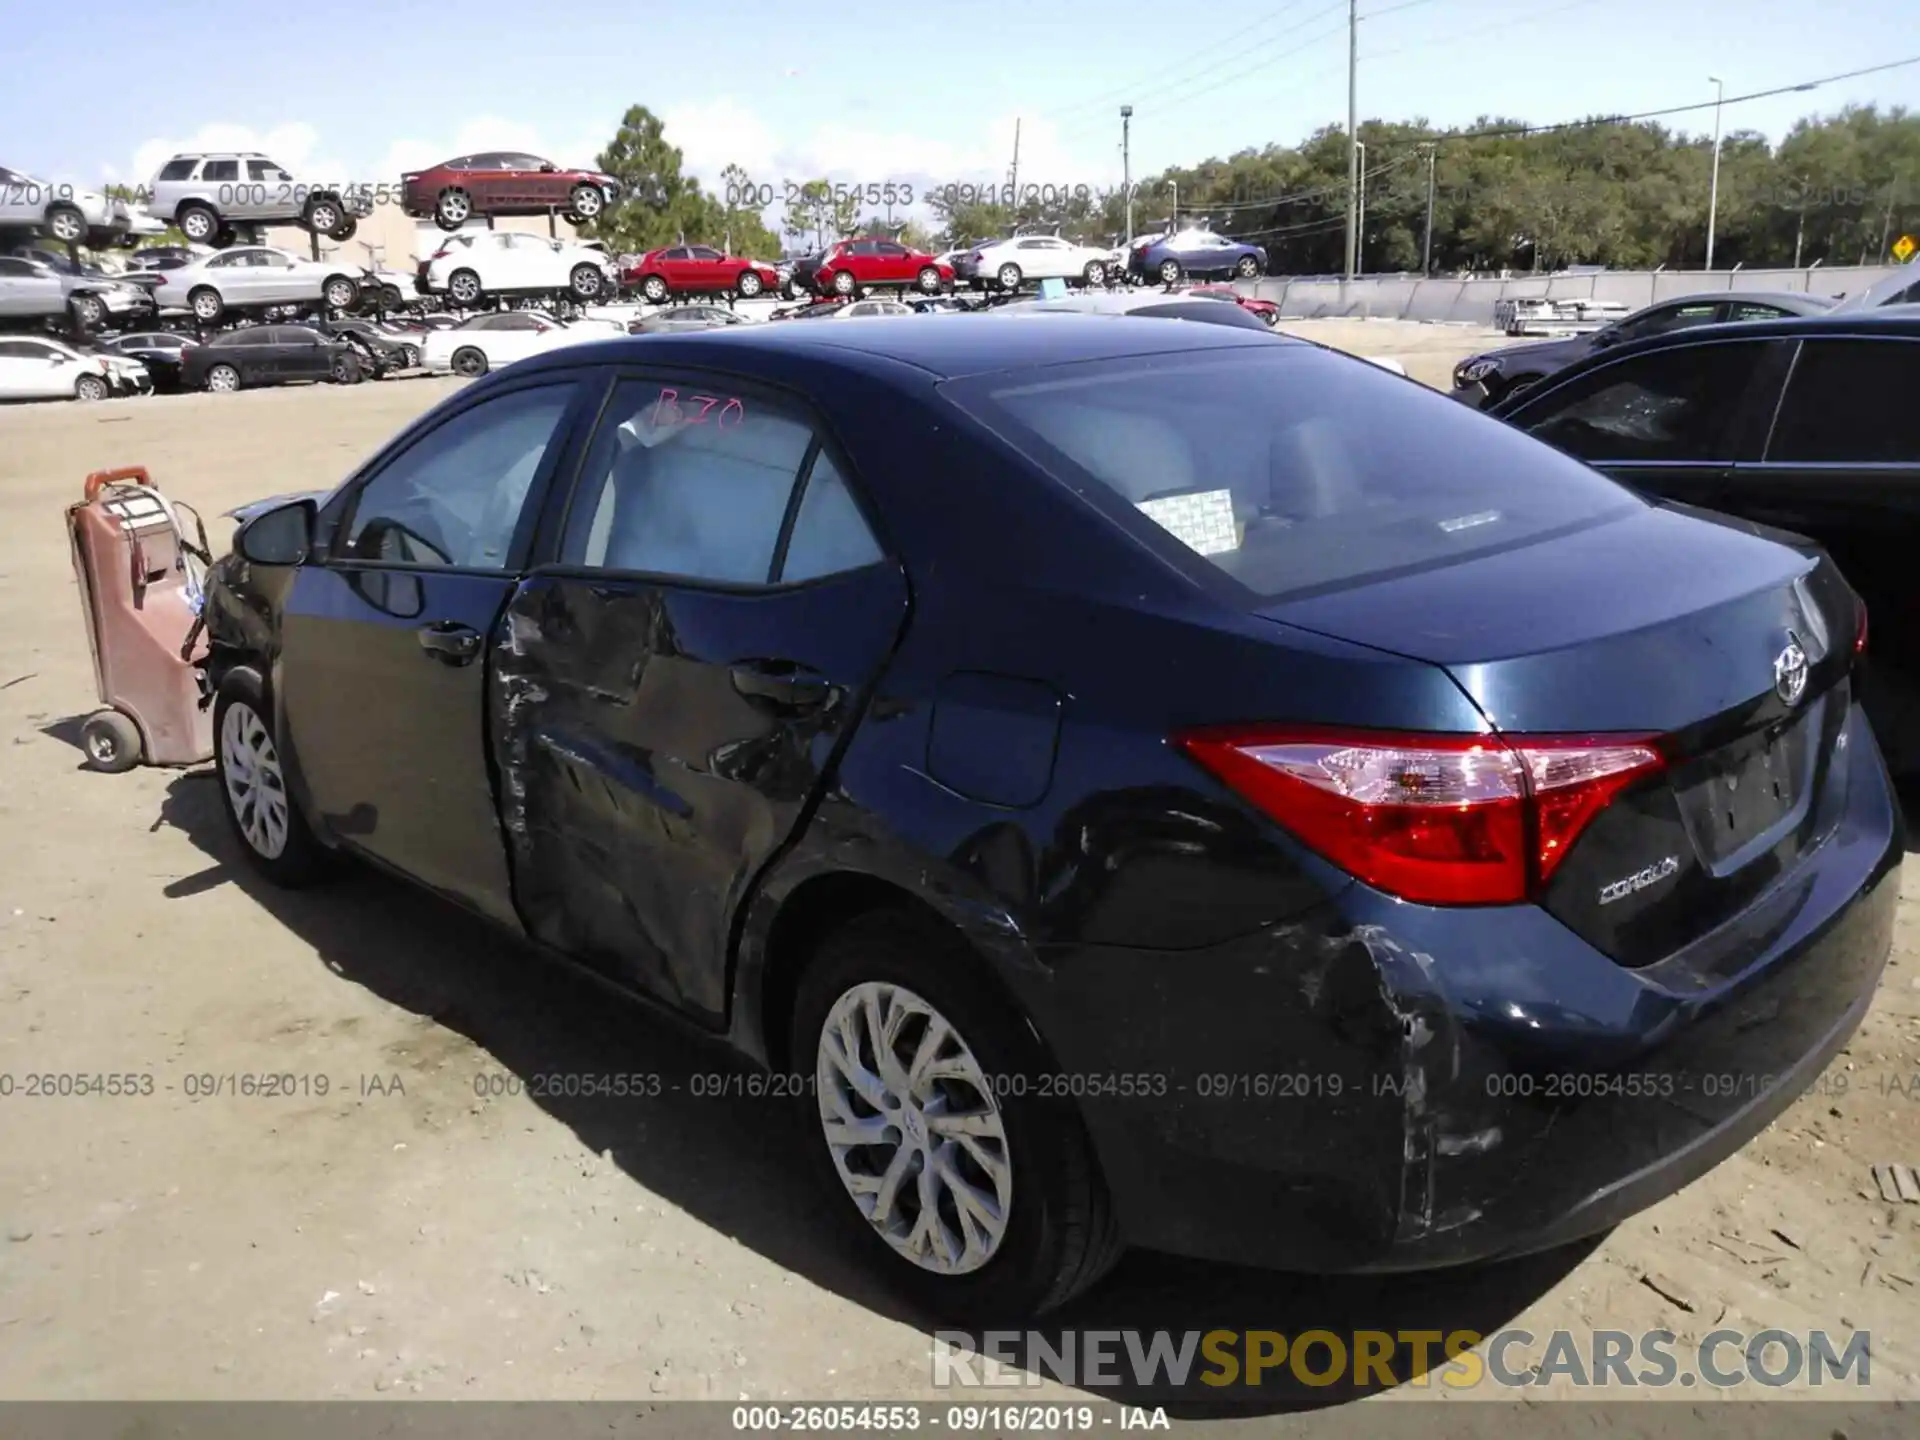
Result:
{"points": [[510, 262], [206, 195]]}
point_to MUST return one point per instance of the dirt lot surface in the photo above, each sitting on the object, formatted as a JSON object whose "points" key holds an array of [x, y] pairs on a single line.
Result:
{"points": [[406, 1236]]}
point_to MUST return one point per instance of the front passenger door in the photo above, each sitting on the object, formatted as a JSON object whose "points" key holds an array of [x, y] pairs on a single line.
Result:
{"points": [[387, 640], [1671, 422], [678, 680]]}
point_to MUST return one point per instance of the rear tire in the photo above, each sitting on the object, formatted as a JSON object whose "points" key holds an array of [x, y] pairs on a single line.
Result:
{"points": [[339, 292], [223, 380], [929, 280], [1009, 277], [844, 283], [1057, 1233], [261, 812], [66, 224], [1246, 267], [585, 283], [325, 215], [112, 742], [748, 285], [470, 362], [89, 311], [198, 223], [1095, 275], [206, 304], [653, 290]]}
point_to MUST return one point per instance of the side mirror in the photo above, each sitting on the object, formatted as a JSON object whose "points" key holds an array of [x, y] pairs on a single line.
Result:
{"points": [[1603, 338], [281, 536]]}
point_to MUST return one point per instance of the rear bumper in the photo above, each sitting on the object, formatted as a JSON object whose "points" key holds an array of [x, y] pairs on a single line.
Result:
{"points": [[1382, 1086]]}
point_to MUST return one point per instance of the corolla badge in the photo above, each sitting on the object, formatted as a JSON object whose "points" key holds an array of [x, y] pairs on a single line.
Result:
{"points": [[1640, 880], [1790, 671]]}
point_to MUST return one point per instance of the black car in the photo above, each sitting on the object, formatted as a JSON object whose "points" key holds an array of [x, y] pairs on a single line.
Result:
{"points": [[268, 355], [161, 351], [1138, 783], [1496, 375], [385, 350], [1807, 425]]}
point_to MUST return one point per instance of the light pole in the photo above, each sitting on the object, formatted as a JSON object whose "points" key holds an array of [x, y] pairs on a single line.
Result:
{"points": [[1713, 188], [1126, 166], [1176, 206], [1360, 211], [1426, 246], [1353, 132]]}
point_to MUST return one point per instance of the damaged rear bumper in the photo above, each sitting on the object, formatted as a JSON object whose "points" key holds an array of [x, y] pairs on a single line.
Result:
{"points": [[1385, 1086]]}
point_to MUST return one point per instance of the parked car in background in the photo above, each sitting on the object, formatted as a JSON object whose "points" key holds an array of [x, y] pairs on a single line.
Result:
{"points": [[165, 257], [250, 277], [161, 351], [1265, 311], [504, 182], [1150, 304], [1172, 258], [34, 290], [1011, 263], [479, 263], [850, 266], [487, 342], [69, 213], [685, 317], [1808, 425], [1255, 710], [698, 270], [1902, 287], [1493, 376], [872, 309], [387, 352], [34, 367], [268, 355], [206, 194]]}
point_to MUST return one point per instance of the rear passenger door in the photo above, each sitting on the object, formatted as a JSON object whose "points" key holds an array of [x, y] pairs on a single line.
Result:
{"points": [[677, 678], [1671, 422]]}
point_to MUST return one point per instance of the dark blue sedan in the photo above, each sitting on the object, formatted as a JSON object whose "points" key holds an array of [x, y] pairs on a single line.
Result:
{"points": [[1138, 783], [1171, 258]]}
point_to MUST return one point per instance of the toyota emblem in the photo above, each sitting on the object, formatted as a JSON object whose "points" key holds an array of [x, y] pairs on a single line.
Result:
{"points": [[1790, 671]]}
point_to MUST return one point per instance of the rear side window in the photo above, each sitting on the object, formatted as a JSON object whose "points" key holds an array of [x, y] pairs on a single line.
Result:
{"points": [[178, 169], [1672, 405], [1851, 400], [1288, 469]]}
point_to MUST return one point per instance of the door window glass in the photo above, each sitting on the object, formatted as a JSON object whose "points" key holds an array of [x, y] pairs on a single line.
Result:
{"points": [[1677, 317], [221, 170], [455, 496], [829, 533], [689, 482], [1752, 310], [1851, 400], [1673, 405]]}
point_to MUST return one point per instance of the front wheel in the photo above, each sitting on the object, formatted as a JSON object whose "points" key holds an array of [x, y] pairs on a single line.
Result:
{"points": [[1009, 276], [929, 280], [585, 283], [89, 311], [748, 285], [585, 202], [464, 287], [339, 292], [260, 810], [325, 215], [974, 1186], [470, 362], [66, 224], [1095, 274], [844, 283]]}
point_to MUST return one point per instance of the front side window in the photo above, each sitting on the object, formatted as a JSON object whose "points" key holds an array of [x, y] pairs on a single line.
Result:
{"points": [[454, 496], [1287, 470], [1676, 404], [1851, 400], [688, 480]]}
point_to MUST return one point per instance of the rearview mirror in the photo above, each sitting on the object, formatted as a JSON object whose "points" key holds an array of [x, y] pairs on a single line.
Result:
{"points": [[281, 536]]}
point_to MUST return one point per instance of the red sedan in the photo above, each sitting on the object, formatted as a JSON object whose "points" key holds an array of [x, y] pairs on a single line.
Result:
{"points": [[502, 182], [1265, 309], [854, 265], [698, 270]]}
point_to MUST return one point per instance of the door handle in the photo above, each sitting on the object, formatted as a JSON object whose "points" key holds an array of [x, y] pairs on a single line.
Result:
{"points": [[449, 641], [781, 683]]}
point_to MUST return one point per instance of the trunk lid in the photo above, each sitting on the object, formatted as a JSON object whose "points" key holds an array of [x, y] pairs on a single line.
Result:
{"points": [[1665, 623]]}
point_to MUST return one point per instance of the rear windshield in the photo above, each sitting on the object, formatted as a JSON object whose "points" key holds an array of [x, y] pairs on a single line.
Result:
{"points": [[1288, 469]]}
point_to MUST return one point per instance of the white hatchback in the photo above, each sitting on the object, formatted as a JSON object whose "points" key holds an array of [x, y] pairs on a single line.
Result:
{"points": [[508, 262]]}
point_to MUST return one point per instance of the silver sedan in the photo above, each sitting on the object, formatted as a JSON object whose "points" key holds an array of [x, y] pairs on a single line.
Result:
{"points": [[251, 276]]}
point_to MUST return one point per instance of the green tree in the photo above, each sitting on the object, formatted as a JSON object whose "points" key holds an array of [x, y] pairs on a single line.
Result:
{"points": [[744, 228], [658, 204]]}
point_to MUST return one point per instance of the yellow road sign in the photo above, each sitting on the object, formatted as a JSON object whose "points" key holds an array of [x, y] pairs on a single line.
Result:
{"points": [[1904, 247]]}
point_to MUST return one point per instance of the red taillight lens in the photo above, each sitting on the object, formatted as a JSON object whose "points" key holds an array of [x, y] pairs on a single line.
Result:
{"points": [[1860, 635], [1440, 819]]}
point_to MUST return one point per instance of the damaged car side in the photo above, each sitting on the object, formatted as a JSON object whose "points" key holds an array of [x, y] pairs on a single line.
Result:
{"points": [[1146, 784]]}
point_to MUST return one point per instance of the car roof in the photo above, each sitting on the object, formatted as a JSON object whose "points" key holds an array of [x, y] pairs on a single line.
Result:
{"points": [[1787, 298], [1895, 322], [944, 347]]}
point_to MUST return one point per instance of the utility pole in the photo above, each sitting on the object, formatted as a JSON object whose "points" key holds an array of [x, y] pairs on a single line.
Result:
{"points": [[1176, 204], [1013, 177], [1353, 135], [1426, 247], [1126, 166], [1360, 223], [1886, 218], [1713, 189]]}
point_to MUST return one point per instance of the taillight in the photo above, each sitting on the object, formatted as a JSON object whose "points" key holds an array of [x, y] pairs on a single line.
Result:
{"points": [[1860, 635], [1439, 819]]}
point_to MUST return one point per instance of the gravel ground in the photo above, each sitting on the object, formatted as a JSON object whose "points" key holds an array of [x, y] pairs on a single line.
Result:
{"points": [[404, 1235]]}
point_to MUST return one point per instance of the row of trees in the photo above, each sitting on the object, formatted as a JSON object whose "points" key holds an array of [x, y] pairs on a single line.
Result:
{"points": [[1837, 189]]}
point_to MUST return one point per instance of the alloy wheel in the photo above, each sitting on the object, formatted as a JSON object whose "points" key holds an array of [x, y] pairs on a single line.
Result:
{"points": [[455, 207], [256, 787], [464, 288], [223, 379], [913, 1128], [588, 202]]}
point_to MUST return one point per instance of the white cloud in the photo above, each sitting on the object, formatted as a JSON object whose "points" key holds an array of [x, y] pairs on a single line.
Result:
{"points": [[296, 145]]}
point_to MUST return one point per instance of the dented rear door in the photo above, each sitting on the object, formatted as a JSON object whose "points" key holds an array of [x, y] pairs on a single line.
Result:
{"points": [[669, 696]]}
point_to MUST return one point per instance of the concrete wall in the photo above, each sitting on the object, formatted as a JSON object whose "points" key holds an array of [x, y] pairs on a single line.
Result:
{"points": [[1473, 301]]}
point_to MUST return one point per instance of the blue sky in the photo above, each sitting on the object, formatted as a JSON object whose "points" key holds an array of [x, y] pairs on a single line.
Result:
{"points": [[764, 84]]}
